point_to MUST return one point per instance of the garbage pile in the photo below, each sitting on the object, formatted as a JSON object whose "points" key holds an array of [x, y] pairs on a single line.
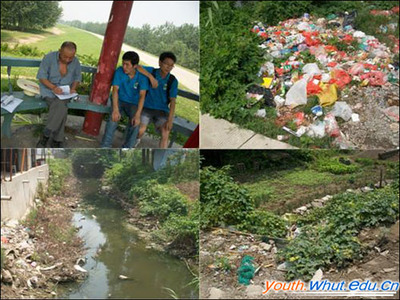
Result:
{"points": [[311, 64], [27, 270]]}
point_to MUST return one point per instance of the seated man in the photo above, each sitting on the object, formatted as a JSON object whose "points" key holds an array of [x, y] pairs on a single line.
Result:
{"points": [[128, 94], [57, 68], [159, 106]]}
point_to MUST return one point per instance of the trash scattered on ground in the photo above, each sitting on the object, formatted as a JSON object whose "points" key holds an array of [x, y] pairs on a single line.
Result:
{"points": [[329, 59]]}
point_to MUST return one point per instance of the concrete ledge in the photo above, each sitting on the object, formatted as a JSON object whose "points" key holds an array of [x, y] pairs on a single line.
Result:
{"points": [[22, 190], [220, 134]]}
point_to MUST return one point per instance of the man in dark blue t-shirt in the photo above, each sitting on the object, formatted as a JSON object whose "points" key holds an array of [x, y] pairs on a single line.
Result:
{"points": [[128, 95], [159, 106]]}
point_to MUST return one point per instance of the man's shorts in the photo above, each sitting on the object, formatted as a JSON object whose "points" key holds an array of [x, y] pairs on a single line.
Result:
{"points": [[158, 117]]}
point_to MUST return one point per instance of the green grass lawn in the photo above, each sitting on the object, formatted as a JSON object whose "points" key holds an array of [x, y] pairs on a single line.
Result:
{"points": [[282, 191], [87, 45]]}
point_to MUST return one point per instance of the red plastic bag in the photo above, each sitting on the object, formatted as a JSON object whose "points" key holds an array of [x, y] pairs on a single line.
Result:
{"points": [[312, 42], [330, 48], [312, 88], [340, 77], [299, 118], [347, 39], [375, 78], [331, 126]]}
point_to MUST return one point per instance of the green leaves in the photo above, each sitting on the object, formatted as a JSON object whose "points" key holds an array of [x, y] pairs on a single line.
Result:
{"points": [[265, 223], [330, 238], [230, 59], [160, 200], [222, 200]]}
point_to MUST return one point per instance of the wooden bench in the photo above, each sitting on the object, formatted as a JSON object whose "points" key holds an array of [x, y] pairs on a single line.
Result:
{"points": [[34, 103]]}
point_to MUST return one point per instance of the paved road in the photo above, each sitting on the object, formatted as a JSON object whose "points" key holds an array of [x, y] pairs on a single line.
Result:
{"points": [[187, 78]]}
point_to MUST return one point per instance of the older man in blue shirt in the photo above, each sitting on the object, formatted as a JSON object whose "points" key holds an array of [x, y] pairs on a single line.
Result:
{"points": [[57, 68]]}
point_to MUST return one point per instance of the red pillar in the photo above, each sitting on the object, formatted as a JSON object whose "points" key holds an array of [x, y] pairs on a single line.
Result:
{"points": [[112, 43], [193, 140]]}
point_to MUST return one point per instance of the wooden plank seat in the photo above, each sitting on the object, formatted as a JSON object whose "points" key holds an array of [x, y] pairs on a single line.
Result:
{"points": [[35, 103]]}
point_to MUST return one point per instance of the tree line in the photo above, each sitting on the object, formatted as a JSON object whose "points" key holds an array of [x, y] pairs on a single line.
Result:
{"points": [[182, 40], [29, 15]]}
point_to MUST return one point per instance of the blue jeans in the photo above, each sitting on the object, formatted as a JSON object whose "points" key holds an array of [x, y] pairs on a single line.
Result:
{"points": [[125, 109]]}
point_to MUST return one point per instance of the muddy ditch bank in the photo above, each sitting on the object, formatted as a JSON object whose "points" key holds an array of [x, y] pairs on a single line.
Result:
{"points": [[42, 252], [144, 226]]}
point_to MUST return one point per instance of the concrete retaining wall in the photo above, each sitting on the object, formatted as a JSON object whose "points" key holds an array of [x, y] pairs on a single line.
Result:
{"points": [[22, 190]]}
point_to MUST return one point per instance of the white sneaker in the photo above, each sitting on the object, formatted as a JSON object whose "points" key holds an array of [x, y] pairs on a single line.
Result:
{"points": [[137, 143]]}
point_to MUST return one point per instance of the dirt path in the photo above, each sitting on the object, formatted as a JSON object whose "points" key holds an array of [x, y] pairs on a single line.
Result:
{"points": [[37, 37]]}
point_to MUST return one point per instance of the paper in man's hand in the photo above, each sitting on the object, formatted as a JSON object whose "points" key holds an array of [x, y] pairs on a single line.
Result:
{"points": [[66, 93]]}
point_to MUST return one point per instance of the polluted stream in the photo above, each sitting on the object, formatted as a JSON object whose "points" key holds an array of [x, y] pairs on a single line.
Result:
{"points": [[112, 249]]}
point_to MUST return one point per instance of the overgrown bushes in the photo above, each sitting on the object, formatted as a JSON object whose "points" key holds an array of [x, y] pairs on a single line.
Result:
{"points": [[159, 201], [22, 50], [230, 59], [59, 170], [224, 202], [329, 235], [156, 196]]}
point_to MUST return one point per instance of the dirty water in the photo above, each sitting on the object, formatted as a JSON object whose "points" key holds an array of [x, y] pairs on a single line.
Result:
{"points": [[114, 250]]}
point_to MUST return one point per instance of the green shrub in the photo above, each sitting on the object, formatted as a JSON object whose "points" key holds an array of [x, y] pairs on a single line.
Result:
{"points": [[230, 59], [222, 200], [265, 223], [181, 232], [31, 219], [4, 47], [160, 201], [59, 170]]}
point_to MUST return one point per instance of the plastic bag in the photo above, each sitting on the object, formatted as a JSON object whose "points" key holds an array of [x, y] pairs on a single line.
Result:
{"points": [[325, 77], [328, 96], [358, 34], [279, 101], [316, 129], [357, 69], [303, 26], [261, 113], [392, 112], [375, 78], [299, 118], [343, 110], [267, 81], [311, 69], [331, 126], [342, 142], [340, 77], [297, 95], [313, 89]]}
